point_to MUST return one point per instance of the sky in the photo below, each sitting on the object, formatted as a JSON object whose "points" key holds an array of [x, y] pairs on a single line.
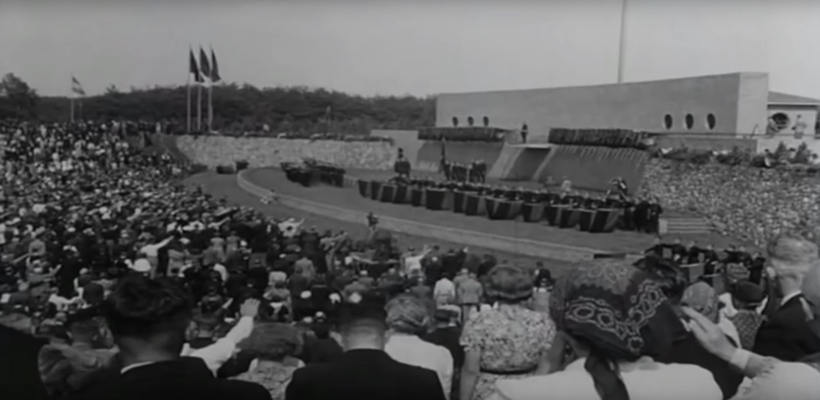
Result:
{"points": [[419, 47]]}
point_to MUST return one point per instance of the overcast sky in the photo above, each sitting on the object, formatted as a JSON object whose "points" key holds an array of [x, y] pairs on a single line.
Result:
{"points": [[408, 47]]}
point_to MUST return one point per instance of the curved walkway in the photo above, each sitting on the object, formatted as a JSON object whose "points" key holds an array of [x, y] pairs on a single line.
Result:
{"points": [[526, 247]]}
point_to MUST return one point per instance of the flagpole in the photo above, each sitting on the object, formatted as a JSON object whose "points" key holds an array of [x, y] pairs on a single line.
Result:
{"points": [[188, 85], [622, 42], [210, 106], [71, 101], [199, 107]]}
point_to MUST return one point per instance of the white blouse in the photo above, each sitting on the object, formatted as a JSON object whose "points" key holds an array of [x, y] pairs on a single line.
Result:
{"points": [[411, 350], [644, 380]]}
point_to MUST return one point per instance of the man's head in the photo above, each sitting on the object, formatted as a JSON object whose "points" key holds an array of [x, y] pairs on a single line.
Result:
{"points": [[792, 258], [363, 324], [148, 316]]}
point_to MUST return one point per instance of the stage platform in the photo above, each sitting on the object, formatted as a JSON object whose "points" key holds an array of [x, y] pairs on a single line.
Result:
{"points": [[531, 239]]}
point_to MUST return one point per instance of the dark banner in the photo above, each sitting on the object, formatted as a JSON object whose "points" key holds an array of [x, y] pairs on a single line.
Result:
{"points": [[435, 199], [532, 212], [387, 194], [375, 189], [475, 204], [364, 188], [459, 200]]}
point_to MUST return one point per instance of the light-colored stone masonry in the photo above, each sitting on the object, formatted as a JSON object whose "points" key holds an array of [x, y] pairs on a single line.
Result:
{"points": [[262, 152]]}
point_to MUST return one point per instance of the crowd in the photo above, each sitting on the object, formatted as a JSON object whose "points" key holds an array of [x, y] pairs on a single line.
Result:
{"points": [[739, 201], [119, 282]]}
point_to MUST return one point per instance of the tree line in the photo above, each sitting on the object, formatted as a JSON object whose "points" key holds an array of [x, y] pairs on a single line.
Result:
{"points": [[236, 108]]}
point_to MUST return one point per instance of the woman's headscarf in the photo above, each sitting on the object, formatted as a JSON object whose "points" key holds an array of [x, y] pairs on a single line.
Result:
{"points": [[702, 298], [615, 310]]}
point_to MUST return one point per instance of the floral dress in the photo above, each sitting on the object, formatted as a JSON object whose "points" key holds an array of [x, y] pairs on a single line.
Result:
{"points": [[511, 339], [273, 376]]}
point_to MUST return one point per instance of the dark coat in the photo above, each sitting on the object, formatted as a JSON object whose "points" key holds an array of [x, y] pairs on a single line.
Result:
{"points": [[687, 350], [787, 334], [19, 373], [364, 375], [182, 379]]}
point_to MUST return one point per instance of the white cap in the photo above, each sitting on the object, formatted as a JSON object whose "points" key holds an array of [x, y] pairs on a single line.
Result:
{"points": [[141, 265]]}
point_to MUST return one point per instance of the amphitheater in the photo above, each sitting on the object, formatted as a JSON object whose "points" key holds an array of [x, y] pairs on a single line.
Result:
{"points": [[718, 204]]}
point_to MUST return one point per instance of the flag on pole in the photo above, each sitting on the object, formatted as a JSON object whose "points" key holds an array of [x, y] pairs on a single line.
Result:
{"points": [[328, 114], [214, 68], [76, 87], [193, 67], [204, 64]]}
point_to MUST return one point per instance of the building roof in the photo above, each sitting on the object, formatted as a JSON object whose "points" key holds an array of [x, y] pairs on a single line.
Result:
{"points": [[777, 97]]}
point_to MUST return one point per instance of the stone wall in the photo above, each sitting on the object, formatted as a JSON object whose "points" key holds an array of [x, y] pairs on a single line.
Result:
{"points": [[743, 202], [265, 152]]}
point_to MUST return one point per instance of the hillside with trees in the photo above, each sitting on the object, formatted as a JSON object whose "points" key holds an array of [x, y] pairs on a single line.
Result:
{"points": [[237, 108]]}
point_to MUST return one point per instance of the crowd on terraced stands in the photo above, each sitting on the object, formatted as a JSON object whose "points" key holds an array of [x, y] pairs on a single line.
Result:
{"points": [[117, 281]]}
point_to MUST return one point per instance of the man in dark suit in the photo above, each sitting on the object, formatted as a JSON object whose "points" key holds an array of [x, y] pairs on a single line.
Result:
{"points": [[787, 335], [364, 371], [148, 319], [19, 374]]}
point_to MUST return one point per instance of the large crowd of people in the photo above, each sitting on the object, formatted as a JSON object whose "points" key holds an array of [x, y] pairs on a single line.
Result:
{"points": [[750, 203], [117, 281]]}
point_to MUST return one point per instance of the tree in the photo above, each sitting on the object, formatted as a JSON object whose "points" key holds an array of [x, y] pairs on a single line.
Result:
{"points": [[112, 90], [16, 97]]}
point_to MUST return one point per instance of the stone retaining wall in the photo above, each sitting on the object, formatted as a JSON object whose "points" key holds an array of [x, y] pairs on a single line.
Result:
{"points": [[263, 152]]}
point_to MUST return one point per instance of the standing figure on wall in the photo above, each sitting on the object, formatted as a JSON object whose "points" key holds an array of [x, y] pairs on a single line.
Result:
{"points": [[799, 127], [524, 133]]}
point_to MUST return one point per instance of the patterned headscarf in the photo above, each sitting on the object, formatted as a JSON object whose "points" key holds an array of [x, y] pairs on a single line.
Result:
{"points": [[613, 306], [702, 298]]}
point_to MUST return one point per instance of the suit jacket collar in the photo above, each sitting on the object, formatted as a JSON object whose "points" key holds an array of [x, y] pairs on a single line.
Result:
{"points": [[365, 355]]}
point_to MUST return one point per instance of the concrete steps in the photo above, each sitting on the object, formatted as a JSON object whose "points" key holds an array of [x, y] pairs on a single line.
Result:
{"points": [[687, 226]]}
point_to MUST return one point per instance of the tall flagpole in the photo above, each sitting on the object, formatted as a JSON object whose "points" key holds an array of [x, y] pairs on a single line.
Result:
{"points": [[199, 106], [622, 43], [188, 85], [71, 101], [210, 105]]}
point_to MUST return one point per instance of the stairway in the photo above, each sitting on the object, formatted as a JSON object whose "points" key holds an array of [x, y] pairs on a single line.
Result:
{"points": [[687, 226], [501, 168]]}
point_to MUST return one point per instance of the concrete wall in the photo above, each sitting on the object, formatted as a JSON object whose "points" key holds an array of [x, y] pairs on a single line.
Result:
{"points": [[261, 152], [733, 99], [705, 142], [407, 140], [593, 168]]}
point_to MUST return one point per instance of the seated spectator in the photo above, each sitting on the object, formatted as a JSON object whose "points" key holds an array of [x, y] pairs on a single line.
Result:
{"points": [[365, 371], [148, 319], [408, 318], [271, 348], [598, 362]]}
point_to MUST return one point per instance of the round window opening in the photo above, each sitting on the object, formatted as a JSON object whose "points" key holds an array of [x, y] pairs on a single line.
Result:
{"points": [[668, 121], [781, 121], [711, 121], [690, 121]]}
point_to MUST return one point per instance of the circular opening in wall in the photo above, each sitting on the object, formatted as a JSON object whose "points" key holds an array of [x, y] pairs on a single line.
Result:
{"points": [[455, 121], [668, 121], [781, 121], [486, 121], [470, 121], [711, 121], [690, 121]]}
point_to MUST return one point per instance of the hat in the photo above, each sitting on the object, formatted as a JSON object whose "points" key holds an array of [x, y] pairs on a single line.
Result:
{"points": [[142, 265]]}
